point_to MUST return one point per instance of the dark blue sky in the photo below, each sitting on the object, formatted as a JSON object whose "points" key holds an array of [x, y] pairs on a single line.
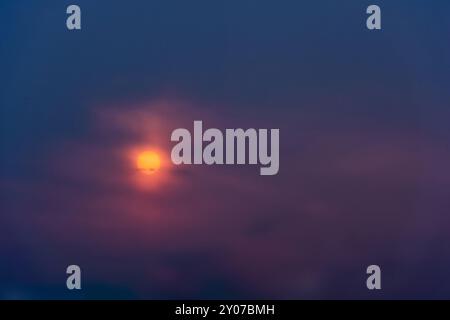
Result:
{"points": [[364, 174]]}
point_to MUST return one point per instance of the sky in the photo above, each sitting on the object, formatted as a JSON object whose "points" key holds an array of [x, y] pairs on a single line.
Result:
{"points": [[364, 149]]}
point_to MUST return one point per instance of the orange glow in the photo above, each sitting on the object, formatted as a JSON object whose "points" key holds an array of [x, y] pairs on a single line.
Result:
{"points": [[150, 168], [148, 162]]}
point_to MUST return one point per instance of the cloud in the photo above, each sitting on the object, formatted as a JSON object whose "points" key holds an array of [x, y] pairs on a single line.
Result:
{"points": [[342, 199]]}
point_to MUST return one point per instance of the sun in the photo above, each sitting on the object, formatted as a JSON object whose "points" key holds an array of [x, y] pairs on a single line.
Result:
{"points": [[148, 162]]}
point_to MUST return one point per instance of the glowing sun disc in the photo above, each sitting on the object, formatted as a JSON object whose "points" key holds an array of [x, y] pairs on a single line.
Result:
{"points": [[148, 162]]}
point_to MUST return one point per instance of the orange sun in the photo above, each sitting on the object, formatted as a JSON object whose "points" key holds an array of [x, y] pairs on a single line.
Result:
{"points": [[148, 162]]}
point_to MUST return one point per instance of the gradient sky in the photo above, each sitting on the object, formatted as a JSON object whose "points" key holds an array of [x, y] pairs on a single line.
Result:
{"points": [[364, 156]]}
